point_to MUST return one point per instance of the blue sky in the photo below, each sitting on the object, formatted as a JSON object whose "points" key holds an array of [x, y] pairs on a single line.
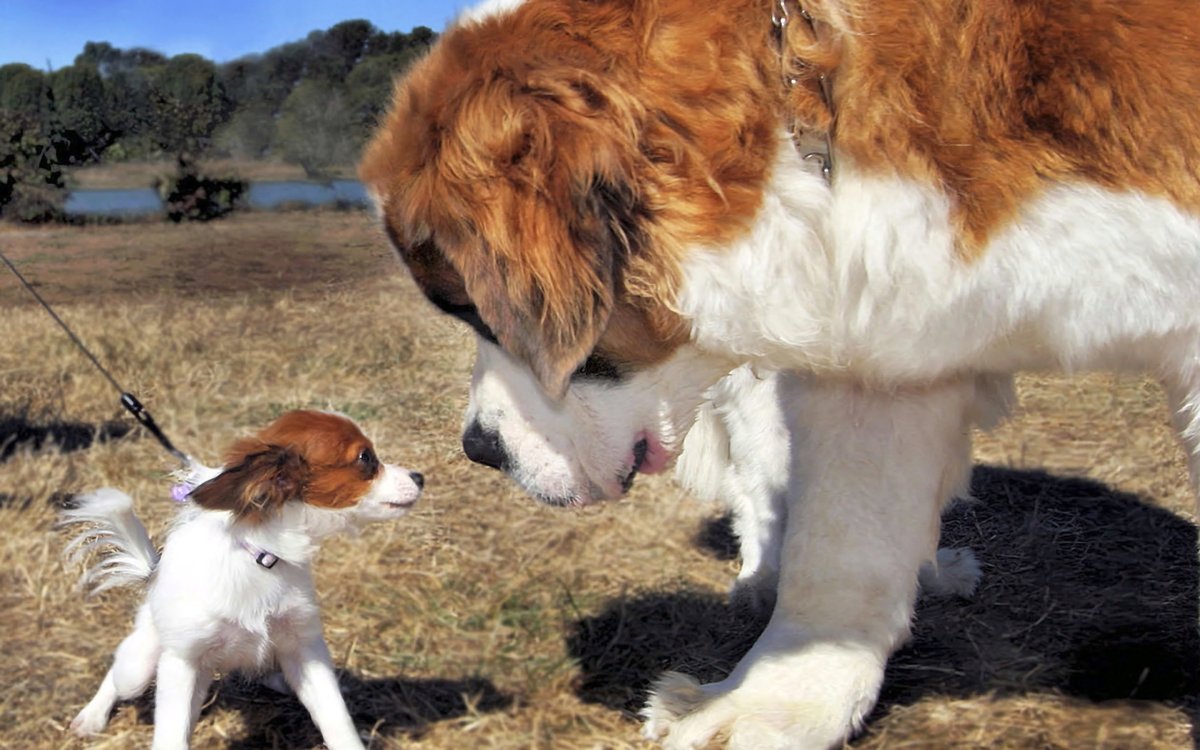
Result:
{"points": [[41, 32]]}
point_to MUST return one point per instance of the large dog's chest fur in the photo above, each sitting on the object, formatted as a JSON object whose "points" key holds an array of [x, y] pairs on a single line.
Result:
{"points": [[1015, 184], [1010, 191], [1084, 278]]}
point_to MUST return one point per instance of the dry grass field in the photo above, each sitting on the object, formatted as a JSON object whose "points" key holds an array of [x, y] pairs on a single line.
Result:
{"points": [[486, 621]]}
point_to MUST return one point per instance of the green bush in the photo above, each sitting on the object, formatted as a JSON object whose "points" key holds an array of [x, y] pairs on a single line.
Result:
{"points": [[192, 196], [31, 180]]}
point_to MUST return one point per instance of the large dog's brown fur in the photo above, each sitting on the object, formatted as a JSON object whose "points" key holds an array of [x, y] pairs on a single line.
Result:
{"points": [[544, 170]]}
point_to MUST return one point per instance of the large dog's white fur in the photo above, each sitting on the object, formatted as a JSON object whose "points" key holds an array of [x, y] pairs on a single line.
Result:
{"points": [[879, 462], [900, 334], [739, 453]]}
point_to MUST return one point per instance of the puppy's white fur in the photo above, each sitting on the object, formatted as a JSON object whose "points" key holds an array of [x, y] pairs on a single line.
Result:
{"points": [[211, 607]]}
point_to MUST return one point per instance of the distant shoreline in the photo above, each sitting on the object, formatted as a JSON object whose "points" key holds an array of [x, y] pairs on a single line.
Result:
{"points": [[140, 174]]}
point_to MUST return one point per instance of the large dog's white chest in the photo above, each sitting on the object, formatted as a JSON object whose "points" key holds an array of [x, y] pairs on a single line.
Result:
{"points": [[865, 280]]}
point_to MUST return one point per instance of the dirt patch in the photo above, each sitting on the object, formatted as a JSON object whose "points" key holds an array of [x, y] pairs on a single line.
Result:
{"points": [[302, 251]]}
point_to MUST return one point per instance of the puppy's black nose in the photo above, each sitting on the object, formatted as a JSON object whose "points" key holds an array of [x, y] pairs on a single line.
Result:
{"points": [[483, 447], [418, 479]]}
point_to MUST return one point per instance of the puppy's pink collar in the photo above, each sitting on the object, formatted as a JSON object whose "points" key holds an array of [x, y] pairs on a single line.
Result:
{"points": [[261, 556]]}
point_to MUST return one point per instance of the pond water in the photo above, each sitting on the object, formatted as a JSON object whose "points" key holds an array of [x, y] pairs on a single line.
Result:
{"points": [[268, 195], [264, 196], [115, 202]]}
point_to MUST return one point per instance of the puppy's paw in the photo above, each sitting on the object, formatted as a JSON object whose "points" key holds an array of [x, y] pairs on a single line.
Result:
{"points": [[90, 721]]}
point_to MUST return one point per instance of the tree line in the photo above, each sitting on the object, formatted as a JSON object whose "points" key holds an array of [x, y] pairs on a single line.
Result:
{"points": [[310, 102]]}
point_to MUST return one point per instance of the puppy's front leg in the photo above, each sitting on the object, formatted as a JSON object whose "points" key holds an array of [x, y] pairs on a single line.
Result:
{"points": [[308, 668], [877, 468], [174, 696]]}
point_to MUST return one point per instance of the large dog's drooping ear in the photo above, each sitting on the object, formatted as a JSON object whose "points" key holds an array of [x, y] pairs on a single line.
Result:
{"points": [[550, 311], [257, 480], [513, 199]]}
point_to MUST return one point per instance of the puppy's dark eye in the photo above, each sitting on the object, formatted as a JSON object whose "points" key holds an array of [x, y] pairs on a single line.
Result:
{"points": [[368, 463]]}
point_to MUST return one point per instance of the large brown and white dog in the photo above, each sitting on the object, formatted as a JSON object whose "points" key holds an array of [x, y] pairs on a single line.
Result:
{"points": [[611, 192]]}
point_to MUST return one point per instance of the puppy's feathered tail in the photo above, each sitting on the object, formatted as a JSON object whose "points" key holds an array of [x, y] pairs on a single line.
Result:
{"points": [[131, 556]]}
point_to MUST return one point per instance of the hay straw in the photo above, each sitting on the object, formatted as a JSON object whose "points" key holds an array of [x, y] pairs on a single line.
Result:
{"points": [[485, 621]]}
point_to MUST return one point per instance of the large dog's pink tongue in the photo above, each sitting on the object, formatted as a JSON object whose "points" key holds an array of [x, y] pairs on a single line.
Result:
{"points": [[653, 458]]}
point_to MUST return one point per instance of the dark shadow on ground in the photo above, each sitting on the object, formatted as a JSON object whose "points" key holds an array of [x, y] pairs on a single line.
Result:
{"points": [[381, 707], [635, 639], [716, 536], [19, 432], [1086, 591]]}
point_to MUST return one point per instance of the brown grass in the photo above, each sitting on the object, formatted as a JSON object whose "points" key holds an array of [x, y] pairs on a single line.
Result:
{"points": [[486, 621]]}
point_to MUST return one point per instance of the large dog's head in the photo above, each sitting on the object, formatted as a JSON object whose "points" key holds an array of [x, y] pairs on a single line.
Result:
{"points": [[543, 173]]}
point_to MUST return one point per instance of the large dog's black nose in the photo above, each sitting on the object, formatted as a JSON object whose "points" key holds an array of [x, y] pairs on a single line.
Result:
{"points": [[484, 447]]}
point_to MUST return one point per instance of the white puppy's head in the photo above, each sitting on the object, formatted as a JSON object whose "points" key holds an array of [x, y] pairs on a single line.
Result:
{"points": [[309, 460]]}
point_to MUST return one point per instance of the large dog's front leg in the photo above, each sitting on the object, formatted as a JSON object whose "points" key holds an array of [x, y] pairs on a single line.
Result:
{"points": [[877, 468]]}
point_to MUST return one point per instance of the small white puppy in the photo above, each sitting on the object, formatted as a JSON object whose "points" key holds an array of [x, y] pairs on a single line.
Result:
{"points": [[233, 586]]}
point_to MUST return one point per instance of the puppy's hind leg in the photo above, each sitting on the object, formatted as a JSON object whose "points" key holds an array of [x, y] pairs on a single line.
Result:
{"points": [[204, 680], [133, 667]]}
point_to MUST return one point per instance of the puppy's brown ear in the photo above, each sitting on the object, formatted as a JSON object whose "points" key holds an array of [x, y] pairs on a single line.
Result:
{"points": [[255, 483]]}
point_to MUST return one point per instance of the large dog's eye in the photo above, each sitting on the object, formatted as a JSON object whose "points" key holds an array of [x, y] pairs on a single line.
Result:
{"points": [[438, 281], [467, 314], [598, 367]]}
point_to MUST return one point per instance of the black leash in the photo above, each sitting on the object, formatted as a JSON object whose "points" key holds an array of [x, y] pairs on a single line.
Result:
{"points": [[128, 400]]}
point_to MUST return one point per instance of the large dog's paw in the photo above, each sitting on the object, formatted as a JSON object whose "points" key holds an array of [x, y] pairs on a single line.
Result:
{"points": [[809, 700], [276, 681], [955, 573], [673, 697], [753, 593]]}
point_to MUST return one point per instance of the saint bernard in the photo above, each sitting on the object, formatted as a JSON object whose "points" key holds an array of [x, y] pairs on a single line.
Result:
{"points": [[628, 199]]}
